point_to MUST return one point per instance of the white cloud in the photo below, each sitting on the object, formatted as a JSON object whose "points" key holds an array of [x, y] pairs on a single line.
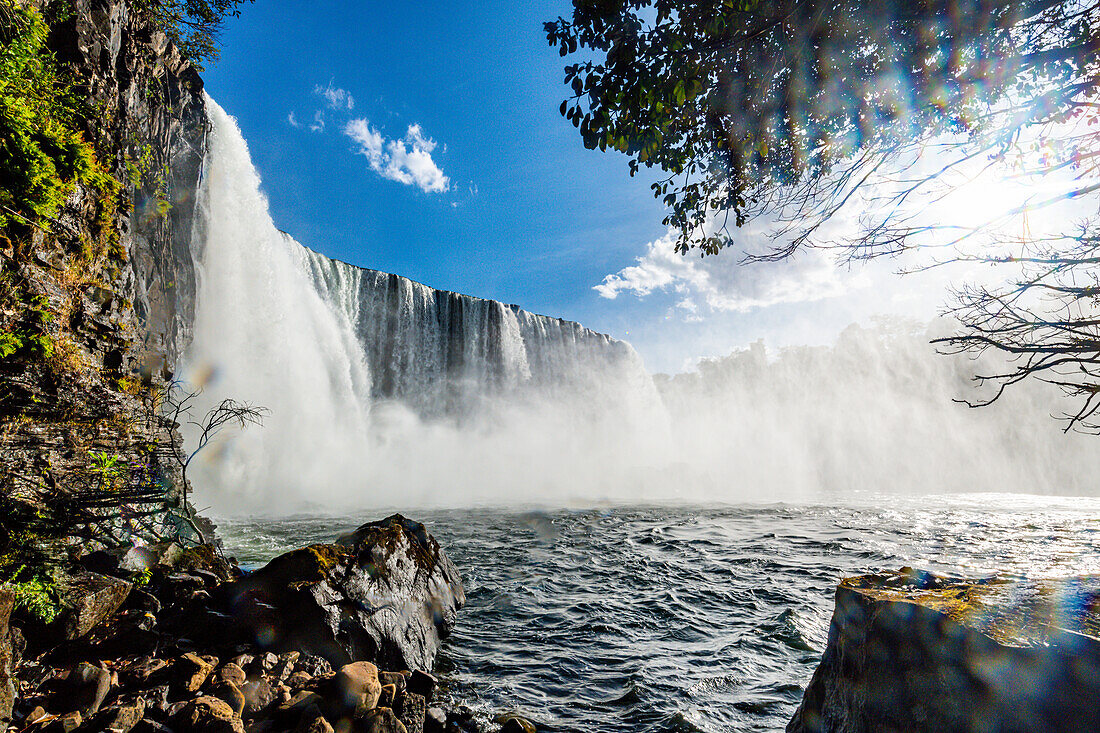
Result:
{"points": [[407, 161], [318, 124], [292, 120], [336, 97], [723, 283]]}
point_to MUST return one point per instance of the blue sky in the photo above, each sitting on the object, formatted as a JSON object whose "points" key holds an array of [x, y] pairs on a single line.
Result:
{"points": [[443, 158]]}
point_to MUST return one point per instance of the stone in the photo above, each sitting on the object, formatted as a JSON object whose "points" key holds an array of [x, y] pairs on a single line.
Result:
{"points": [[299, 679], [386, 593], [190, 671], [156, 699], [143, 670], [435, 720], [89, 598], [421, 683], [316, 666], [65, 723], [206, 714], [120, 718], [284, 666], [380, 720], [258, 696], [7, 655], [387, 696], [292, 709], [512, 723], [910, 651], [231, 694], [414, 712], [357, 686], [312, 721], [35, 715], [88, 687], [230, 672], [146, 725]]}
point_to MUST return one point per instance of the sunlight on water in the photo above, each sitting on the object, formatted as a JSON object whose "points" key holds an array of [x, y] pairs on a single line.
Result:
{"points": [[690, 618]]}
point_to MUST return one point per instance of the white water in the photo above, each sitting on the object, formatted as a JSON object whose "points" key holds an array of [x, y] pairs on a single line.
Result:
{"points": [[383, 392]]}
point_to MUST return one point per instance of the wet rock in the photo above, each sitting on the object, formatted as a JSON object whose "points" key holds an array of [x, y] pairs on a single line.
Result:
{"points": [[89, 598], [298, 680], [206, 714], [435, 720], [381, 720], [913, 652], [191, 671], [88, 686], [414, 712], [385, 593], [35, 715], [357, 686], [284, 666], [511, 723]]}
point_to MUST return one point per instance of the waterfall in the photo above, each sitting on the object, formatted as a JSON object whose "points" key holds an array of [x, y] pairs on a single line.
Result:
{"points": [[386, 393], [381, 390]]}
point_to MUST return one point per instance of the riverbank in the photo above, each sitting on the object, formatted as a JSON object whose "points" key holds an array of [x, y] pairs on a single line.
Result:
{"points": [[338, 636]]}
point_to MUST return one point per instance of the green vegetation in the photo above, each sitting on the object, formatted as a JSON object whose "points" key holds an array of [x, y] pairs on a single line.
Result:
{"points": [[192, 25], [42, 152], [38, 594], [751, 106]]}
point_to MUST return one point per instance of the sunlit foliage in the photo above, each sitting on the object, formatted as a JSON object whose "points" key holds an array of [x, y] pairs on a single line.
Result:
{"points": [[749, 105]]}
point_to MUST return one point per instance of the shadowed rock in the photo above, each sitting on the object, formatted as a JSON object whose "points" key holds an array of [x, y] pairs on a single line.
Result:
{"points": [[915, 652], [386, 593]]}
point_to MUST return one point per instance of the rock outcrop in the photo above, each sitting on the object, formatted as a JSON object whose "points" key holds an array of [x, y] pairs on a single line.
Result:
{"points": [[910, 651], [386, 593]]}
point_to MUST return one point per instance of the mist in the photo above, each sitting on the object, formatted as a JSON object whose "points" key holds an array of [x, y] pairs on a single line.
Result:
{"points": [[560, 416]]}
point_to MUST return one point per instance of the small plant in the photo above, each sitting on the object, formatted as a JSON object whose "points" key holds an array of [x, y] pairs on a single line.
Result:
{"points": [[37, 595], [108, 467], [142, 579]]}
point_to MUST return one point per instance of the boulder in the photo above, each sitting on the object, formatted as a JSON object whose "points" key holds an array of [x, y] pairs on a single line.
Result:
{"points": [[512, 723], [357, 686], [915, 652], [89, 598], [381, 720], [120, 718], [191, 671], [385, 593], [88, 687], [206, 715]]}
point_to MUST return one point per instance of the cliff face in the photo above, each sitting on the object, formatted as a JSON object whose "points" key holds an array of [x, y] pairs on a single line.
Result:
{"points": [[914, 652], [113, 319], [441, 352]]}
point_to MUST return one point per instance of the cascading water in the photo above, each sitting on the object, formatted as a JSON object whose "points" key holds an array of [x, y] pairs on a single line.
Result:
{"points": [[263, 334], [383, 392]]}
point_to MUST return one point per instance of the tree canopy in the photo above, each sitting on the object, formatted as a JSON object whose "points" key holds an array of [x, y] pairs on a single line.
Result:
{"points": [[793, 109], [744, 104], [192, 25]]}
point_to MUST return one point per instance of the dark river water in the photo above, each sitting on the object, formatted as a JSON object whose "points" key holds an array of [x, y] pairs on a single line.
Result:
{"points": [[688, 618]]}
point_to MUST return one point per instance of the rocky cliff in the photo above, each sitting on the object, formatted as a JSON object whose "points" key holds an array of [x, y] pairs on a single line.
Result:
{"points": [[910, 651], [109, 291]]}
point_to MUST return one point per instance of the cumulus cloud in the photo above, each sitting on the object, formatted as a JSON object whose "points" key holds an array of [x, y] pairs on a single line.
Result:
{"points": [[408, 160], [722, 283], [335, 97]]}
